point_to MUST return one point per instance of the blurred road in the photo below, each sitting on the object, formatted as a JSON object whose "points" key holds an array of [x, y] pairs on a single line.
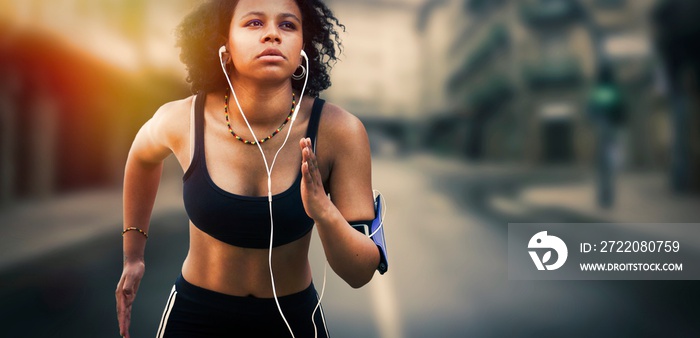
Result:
{"points": [[447, 241]]}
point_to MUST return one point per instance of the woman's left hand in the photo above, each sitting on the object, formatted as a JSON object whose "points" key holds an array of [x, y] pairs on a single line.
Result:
{"points": [[313, 195]]}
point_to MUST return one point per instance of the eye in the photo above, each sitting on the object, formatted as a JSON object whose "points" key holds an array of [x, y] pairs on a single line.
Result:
{"points": [[288, 25], [254, 23]]}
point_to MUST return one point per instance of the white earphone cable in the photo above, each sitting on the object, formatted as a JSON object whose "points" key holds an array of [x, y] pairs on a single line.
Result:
{"points": [[323, 288], [384, 207], [268, 169]]}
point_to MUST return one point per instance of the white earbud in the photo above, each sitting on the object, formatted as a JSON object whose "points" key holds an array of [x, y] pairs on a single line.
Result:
{"points": [[303, 88], [222, 50]]}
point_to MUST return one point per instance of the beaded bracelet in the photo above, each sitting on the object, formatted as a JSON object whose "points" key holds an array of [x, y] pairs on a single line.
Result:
{"points": [[137, 229]]}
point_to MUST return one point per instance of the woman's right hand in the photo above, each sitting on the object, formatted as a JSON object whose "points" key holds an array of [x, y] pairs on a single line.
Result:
{"points": [[126, 293]]}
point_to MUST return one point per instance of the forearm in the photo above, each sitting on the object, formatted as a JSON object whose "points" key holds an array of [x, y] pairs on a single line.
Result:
{"points": [[141, 181], [351, 254]]}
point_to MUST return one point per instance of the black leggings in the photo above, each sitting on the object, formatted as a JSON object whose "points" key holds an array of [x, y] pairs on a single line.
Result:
{"points": [[192, 311]]}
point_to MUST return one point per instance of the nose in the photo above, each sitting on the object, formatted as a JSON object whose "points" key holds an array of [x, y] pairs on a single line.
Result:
{"points": [[271, 34]]}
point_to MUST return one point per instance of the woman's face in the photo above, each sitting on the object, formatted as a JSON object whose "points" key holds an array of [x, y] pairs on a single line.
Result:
{"points": [[265, 39]]}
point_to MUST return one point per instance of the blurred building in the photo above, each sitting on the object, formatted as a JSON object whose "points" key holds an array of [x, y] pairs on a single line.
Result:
{"points": [[521, 74], [676, 32], [375, 78], [77, 79]]}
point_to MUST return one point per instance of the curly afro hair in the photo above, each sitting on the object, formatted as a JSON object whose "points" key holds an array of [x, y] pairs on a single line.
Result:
{"points": [[203, 31]]}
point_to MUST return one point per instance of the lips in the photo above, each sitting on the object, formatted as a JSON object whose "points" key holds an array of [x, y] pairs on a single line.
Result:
{"points": [[271, 53]]}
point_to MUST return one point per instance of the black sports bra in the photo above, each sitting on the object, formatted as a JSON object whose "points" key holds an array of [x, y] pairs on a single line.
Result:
{"points": [[243, 221]]}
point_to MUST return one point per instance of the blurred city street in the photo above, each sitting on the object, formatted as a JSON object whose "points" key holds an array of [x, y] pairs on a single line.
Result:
{"points": [[480, 114], [446, 232]]}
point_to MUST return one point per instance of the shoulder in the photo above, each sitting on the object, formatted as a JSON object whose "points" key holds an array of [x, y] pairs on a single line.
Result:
{"points": [[335, 120], [342, 134], [167, 129], [171, 121], [174, 113]]}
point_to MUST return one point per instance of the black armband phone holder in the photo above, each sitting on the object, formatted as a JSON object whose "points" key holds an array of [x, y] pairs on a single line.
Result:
{"points": [[374, 229]]}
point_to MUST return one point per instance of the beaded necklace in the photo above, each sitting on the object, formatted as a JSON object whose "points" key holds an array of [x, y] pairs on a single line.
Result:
{"points": [[228, 123]]}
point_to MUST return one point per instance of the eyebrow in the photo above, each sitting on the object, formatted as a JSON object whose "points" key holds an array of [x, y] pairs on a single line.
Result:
{"points": [[283, 15]]}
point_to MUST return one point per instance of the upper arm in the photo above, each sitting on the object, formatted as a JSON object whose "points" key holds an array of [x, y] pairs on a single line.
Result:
{"points": [[350, 168]]}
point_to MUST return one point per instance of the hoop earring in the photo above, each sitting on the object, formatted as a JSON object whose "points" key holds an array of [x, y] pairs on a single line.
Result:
{"points": [[300, 76]]}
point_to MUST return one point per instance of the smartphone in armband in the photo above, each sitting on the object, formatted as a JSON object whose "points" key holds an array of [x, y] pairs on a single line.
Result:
{"points": [[375, 230]]}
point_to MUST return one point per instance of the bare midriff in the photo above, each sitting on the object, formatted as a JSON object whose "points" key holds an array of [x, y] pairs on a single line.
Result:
{"points": [[224, 268]]}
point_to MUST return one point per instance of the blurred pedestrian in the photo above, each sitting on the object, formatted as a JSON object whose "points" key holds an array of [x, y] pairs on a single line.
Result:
{"points": [[244, 194]]}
